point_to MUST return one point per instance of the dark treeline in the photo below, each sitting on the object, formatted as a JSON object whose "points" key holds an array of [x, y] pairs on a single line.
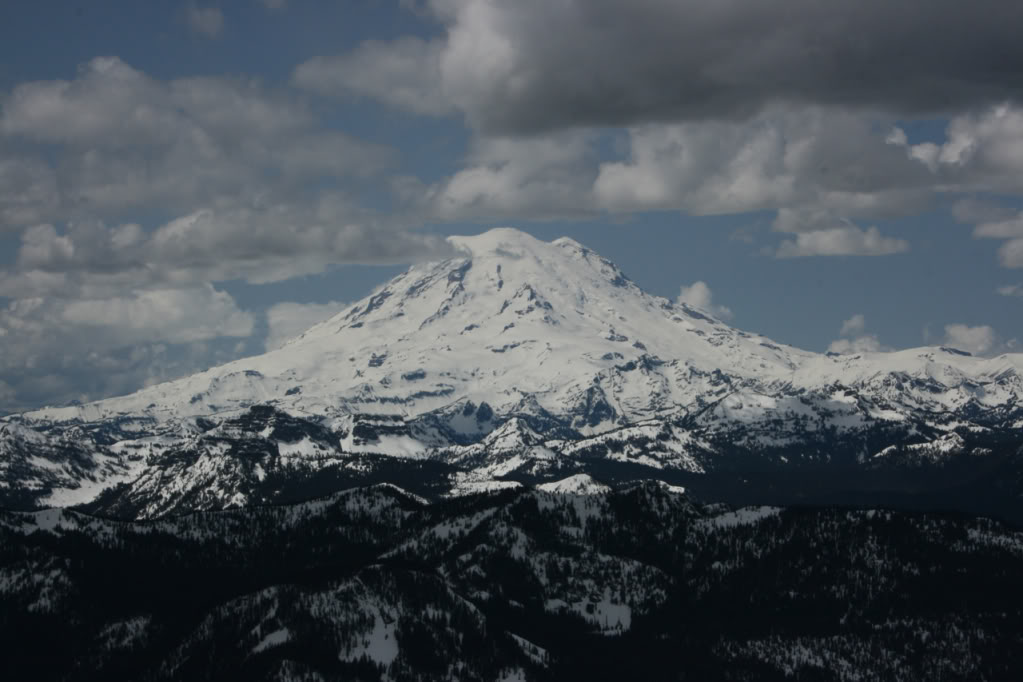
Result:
{"points": [[639, 583]]}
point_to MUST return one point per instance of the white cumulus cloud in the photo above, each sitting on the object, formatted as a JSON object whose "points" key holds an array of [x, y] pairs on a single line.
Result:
{"points": [[1010, 254], [699, 295], [170, 315], [979, 339], [1011, 290], [854, 325], [855, 339], [841, 241]]}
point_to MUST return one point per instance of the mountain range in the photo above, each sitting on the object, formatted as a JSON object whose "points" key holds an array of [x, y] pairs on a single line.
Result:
{"points": [[567, 580]]}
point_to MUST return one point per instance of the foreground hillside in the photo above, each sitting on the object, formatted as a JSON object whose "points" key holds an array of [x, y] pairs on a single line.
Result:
{"points": [[570, 580]]}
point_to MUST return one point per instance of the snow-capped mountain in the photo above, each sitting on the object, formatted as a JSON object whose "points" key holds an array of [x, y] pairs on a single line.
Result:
{"points": [[515, 359]]}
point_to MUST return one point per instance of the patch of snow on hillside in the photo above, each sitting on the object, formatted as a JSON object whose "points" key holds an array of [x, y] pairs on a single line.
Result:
{"points": [[275, 638], [379, 644], [741, 517], [579, 484]]}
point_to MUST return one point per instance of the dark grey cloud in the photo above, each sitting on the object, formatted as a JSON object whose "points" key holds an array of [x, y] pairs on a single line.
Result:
{"points": [[537, 65], [610, 63], [719, 107]]}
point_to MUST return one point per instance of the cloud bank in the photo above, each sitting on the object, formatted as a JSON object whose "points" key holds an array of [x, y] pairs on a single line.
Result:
{"points": [[536, 66]]}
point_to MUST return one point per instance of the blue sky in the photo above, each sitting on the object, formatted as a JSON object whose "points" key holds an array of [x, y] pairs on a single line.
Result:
{"points": [[184, 183]]}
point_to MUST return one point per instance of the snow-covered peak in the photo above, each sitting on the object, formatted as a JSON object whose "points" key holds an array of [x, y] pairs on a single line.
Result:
{"points": [[501, 242], [568, 243], [512, 320], [507, 243]]}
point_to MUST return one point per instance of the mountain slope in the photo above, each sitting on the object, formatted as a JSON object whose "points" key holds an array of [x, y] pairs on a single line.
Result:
{"points": [[515, 359]]}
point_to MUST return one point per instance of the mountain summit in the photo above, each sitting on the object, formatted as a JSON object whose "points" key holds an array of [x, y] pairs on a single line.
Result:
{"points": [[518, 357], [510, 318]]}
